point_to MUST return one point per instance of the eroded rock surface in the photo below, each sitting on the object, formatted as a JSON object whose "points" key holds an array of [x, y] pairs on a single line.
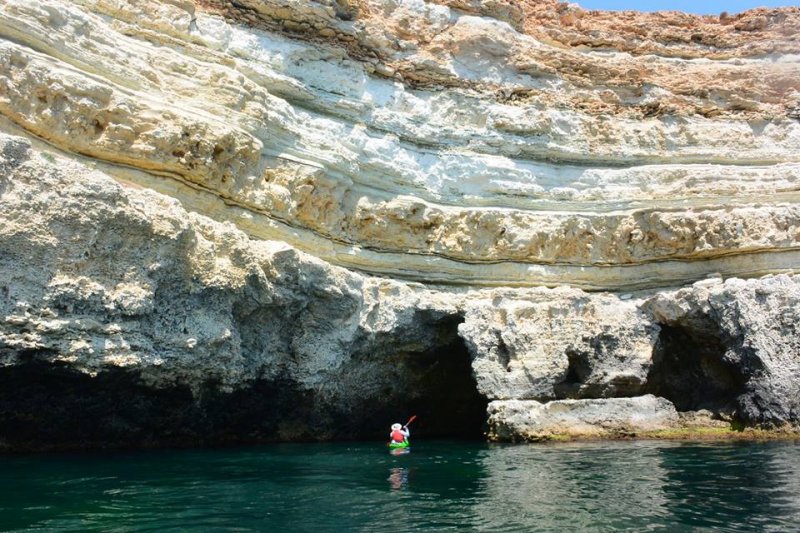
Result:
{"points": [[558, 343], [736, 343], [289, 220], [109, 288], [531, 420]]}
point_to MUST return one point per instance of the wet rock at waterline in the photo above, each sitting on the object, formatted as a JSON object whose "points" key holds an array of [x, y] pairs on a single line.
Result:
{"points": [[236, 222], [613, 417]]}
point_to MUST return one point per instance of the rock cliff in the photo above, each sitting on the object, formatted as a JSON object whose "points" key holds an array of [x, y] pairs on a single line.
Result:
{"points": [[279, 220]]}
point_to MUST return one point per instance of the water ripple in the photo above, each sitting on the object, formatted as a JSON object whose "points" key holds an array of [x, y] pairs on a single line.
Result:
{"points": [[440, 486]]}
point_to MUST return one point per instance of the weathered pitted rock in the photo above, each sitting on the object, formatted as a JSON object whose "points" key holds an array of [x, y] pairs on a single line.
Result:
{"points": [[124, 285], [729, 348], [739, 347], [558, 343], [197, 196], [451, 185]]}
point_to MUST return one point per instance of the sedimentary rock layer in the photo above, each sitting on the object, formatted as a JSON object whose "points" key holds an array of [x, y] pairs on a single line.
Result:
{"points": [[277, 220], [432, 141]]}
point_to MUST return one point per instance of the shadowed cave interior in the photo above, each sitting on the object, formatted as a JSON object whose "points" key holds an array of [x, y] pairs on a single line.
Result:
{"points": [[450, 404], [443, 396], [437, 385], [690, 370], [46, 405]]}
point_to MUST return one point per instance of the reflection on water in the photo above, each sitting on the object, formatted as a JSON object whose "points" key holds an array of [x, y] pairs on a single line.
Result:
{"points": [[398, 477], [634, 486], [584, 486]]}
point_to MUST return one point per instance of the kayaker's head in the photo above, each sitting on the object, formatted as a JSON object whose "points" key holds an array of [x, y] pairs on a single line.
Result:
{"points": [[396, 427]]}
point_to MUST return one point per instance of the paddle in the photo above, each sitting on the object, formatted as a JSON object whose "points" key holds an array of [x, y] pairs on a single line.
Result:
{"points": [[410, 420]]}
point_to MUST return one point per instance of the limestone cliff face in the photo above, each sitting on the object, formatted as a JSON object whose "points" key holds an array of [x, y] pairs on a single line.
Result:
{"points": [[275, 219]]}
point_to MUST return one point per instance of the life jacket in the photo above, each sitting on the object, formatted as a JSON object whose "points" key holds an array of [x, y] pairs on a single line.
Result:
{"points": [[398, 436]]}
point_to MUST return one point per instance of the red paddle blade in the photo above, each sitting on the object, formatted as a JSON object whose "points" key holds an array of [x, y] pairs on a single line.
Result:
{"points": [[411, 419]]}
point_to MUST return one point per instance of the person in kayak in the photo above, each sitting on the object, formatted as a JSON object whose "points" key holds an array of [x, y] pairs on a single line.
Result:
{"points": [[399, 434]]}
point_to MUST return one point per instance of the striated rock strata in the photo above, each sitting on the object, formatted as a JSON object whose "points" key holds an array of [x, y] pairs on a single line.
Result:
{"points": [[280, 220]]}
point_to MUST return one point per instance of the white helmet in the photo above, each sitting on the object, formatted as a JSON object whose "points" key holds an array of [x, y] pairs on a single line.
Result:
{"points": [[395, 427]]}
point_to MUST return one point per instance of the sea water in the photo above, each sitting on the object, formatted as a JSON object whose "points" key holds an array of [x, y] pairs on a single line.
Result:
{"points": [[438, 486]]}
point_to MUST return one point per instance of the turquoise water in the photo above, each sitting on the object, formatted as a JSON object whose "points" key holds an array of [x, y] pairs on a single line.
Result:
{"points": [[636, 486]]}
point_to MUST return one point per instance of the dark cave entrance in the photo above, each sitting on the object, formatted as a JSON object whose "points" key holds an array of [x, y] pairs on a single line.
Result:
{"points": [[449, 404], [439, 388], [47, 405], [690, 370], [51, 406]]}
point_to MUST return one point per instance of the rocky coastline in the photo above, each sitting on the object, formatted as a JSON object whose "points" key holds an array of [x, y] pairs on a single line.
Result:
{"points": [[279, 220]]}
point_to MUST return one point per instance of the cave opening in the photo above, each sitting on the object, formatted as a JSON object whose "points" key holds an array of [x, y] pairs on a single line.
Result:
{"points": [[50, 405], [578, 371], [438, 386], [448, 403], [690, 370]]}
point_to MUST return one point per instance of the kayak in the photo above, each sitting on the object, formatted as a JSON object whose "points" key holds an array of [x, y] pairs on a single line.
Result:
{"points": [[399, 445]]}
